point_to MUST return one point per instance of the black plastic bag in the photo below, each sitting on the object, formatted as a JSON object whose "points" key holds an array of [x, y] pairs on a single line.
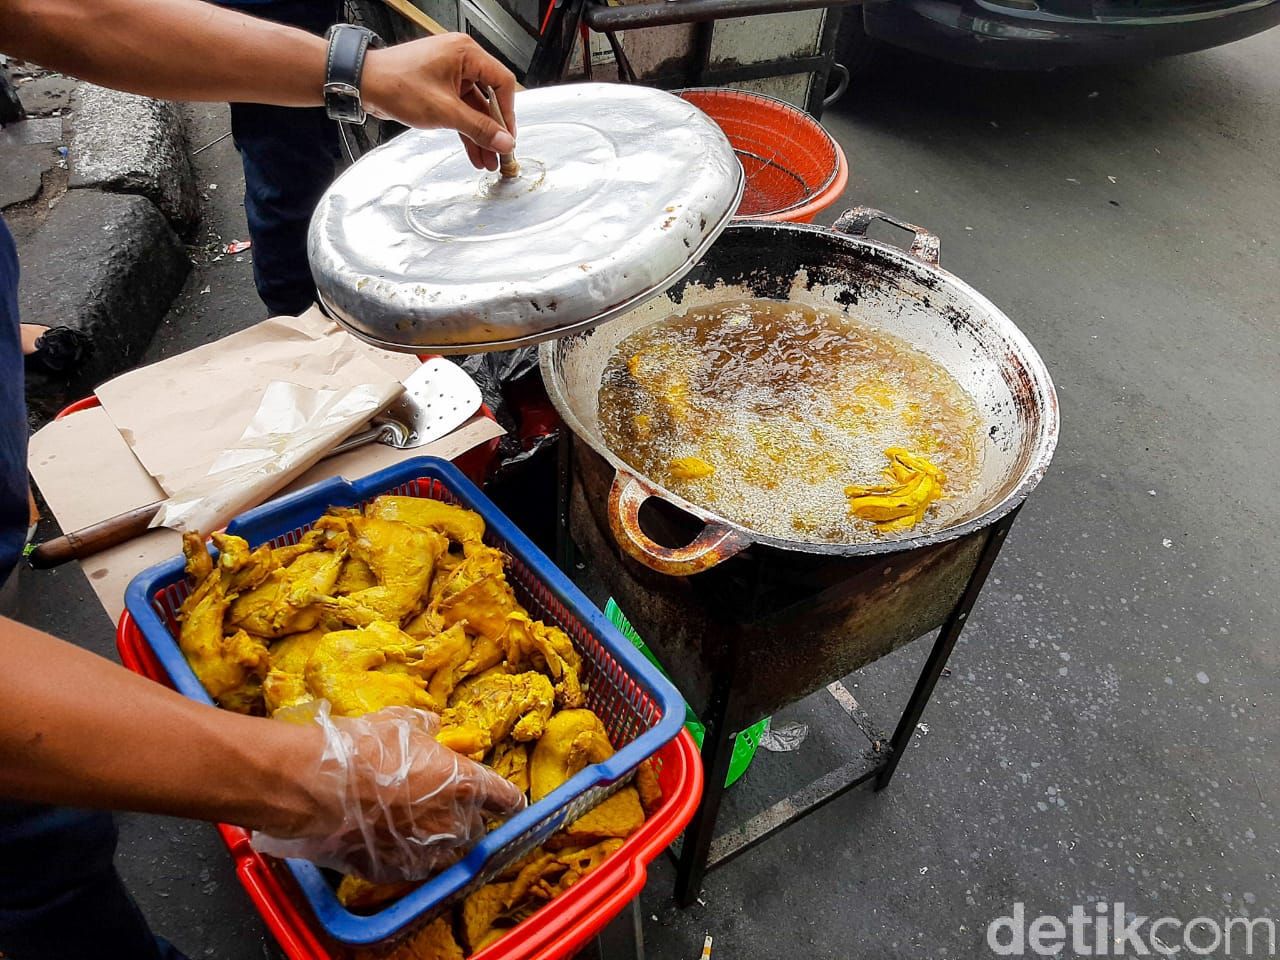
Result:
{"points": [[507, 379]]}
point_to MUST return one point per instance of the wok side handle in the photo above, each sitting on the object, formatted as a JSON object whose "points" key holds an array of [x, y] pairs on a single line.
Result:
{"points": [[716, 542], [855, 222]]}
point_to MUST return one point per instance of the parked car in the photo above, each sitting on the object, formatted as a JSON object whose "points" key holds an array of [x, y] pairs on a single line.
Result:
{"points": [[1044, 34]]}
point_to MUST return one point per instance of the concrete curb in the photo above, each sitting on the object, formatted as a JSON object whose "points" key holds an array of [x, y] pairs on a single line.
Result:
{"points": [[109, 265], [102, 255], [123, 143]]}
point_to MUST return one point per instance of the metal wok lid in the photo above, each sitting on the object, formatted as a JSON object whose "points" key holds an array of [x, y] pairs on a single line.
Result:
{"points": [[621, 190]]}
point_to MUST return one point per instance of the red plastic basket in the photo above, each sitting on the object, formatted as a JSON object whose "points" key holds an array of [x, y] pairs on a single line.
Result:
{"points": [[794, 168], [555, 931]]}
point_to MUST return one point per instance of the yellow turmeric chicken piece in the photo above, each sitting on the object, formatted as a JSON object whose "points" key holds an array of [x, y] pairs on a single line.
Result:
{"points": [[532, 643], [229, 666], [502, 705], [481, 912], [402, 558], [286, 602], [615, 818], [510, 761], [317, 538], [482, 563], [484, 606], [433, 942], [243, 569], [446, 656], [690, 468], [457, 523], [573, 739], [367, 668], [359, 894], [285, 684], [648, 787], [572, 866], [914, 484], [356, 575]]}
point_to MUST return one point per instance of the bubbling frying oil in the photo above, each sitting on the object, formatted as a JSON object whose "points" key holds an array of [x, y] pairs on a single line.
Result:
{"points": [[789, 405]]}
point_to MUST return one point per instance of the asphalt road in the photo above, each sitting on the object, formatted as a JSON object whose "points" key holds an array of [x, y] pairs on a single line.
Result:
{"points": [[1108, 730]]}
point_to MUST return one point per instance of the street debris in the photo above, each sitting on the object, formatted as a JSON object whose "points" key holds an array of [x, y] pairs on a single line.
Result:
{"points": [[706, 948], [199, 150], [783, 737], [237, 246]]}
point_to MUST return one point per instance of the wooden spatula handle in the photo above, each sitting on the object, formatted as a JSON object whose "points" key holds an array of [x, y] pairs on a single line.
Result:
{"points": [[90, 540]]}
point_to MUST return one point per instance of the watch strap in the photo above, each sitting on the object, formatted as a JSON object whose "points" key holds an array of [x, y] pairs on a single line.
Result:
{"points": [[348, 45]]}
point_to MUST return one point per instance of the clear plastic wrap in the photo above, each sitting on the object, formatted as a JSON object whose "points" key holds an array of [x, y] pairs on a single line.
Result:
{"points": [[293, 428], [401, 805]]}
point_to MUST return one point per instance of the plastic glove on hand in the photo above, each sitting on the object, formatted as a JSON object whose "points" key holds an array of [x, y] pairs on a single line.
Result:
{"points": [[392, 803]]}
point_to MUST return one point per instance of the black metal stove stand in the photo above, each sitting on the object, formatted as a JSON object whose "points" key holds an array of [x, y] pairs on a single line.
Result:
{"points": [[702, 850], [732, 674]]}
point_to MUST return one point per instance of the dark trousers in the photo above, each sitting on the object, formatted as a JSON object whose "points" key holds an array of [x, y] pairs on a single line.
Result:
{"points": [[60, 895], [290, 157]]}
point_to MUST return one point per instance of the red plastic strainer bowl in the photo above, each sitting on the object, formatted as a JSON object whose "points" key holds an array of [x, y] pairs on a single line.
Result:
{"points": [[794, 169]]}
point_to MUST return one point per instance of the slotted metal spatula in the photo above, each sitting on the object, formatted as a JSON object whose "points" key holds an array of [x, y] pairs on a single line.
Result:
{"points": [[438, 398]]}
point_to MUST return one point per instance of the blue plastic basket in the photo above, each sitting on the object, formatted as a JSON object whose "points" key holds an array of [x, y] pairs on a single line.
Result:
{"points": [[640, 707]]}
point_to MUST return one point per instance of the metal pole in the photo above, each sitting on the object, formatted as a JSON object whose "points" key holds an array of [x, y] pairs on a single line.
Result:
{"points": [[717, 750], [942, 648], [601, 18]]}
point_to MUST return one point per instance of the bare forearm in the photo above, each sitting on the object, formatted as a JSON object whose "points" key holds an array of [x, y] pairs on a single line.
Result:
{"points": [[178, 49], [80, 730]]}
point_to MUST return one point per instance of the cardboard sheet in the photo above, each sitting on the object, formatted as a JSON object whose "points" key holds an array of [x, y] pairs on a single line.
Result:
{"points": [[179, 414], [87, 473]]}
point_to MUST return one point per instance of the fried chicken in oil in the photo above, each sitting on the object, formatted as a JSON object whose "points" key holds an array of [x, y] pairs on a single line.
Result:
{"points": [[913, 485], [402, 603]]}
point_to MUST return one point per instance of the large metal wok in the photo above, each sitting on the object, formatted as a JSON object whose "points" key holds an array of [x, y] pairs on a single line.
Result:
{"points": [[746, 623], [906, 294]]}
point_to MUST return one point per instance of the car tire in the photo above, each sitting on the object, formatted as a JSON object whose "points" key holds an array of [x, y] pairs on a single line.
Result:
{"points": [[392, 28], [855, 49]]}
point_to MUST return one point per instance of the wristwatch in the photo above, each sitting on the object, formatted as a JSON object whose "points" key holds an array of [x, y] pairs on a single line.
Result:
{"points": [[347, 47]]}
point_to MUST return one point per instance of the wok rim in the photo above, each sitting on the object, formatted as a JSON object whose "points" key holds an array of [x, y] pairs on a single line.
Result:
{"points": [[1042, 443]]}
